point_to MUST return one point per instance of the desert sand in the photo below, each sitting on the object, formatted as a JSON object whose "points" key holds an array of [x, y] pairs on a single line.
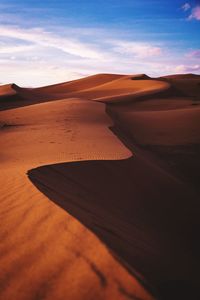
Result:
{"points": [[100, 189]]}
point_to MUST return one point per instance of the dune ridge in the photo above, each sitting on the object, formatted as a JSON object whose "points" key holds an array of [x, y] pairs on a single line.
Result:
{"points": [[101, 87]]}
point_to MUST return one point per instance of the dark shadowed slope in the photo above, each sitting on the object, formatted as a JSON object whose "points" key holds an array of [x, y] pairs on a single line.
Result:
{"points": [[149, 219], [169, 129], [11, 96], [187, 84]]}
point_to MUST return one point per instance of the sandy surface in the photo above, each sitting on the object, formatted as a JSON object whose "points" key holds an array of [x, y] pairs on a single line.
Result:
{"points": [[46, 253], [100, 202]]}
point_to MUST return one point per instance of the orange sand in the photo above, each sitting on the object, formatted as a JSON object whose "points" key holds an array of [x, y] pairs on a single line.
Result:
{"points": [[109, 209]]}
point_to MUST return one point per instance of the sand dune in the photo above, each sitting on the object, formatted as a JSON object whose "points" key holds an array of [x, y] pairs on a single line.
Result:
{"points": [[100, 189], [41, 253], [122, 88], [188, 84], [163, 127], [80, 84], [101, 87], [12, 95], [66, 127], [7, 90]]}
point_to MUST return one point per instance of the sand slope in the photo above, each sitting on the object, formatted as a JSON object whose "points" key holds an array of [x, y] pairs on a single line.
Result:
{"points": [[7, 90], [128, 87], [188, 84], [100, 202], [123, 202], [45, 253]]}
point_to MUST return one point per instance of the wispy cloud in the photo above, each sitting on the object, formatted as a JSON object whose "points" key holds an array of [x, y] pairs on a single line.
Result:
{"points": [[40, 51], [187, 68], [194, 54], [136, 49], [34, 56], [41, 37], [186, 6], [195, 14], [15, 49]]}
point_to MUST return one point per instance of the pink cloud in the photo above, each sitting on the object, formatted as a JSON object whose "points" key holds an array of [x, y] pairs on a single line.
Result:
{"points": [[195, 14], [185, 69], [137, 49], [194, 54]]}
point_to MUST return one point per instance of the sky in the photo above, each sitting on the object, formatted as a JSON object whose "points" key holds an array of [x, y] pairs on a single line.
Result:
{"points": [[50, 41]]}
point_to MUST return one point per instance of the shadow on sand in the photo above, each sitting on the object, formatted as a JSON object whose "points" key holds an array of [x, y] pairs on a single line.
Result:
{"points": [[148, 219]]}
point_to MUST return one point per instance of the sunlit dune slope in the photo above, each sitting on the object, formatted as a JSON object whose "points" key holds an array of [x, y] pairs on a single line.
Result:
{"points": [[122, 89], [80, 84], [105, 87], [71, 129]]}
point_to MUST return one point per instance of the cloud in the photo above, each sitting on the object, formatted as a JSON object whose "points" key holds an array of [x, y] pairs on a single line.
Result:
{"points": [[186, 6], [136, 49], [14, 49], [195, 15], [187, 68], [29, 75], [39, 36], [40, 56], [194, 54]]}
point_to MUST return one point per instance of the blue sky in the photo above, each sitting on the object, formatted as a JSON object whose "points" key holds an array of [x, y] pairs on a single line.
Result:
{"points": [[45, 42]]}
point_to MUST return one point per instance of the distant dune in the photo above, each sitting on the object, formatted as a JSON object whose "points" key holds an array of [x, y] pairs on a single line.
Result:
{"points": [[100, 189]]}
